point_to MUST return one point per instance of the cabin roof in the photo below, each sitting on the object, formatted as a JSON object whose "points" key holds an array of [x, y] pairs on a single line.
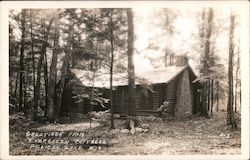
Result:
{"points": [[154, 76]]}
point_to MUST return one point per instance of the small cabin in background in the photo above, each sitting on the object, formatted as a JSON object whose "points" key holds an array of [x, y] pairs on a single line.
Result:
{"points": [[172, 83]]}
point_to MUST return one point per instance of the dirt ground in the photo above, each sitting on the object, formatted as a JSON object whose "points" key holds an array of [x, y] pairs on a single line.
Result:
{"points": [[191, 135]]}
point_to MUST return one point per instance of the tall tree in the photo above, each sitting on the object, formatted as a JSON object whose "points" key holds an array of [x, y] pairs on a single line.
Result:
{"points": [[32, 50], [21, 75], [14, 63], [237, 80], [112, 30], [62, 86], [111, 68], [45, 76], [45, 35], [230, 113], [53, 71], [131, 74], [206, 45]]}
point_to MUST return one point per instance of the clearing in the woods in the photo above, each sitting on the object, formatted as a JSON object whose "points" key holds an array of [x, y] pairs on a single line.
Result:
{"points": [[191, 135]]}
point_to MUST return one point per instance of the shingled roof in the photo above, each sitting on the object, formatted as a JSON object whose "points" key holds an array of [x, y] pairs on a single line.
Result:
{"points": [[154, 76]]}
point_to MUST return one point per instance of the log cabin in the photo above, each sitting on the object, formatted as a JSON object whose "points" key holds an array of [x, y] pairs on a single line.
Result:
{"points": [[173, 83]]}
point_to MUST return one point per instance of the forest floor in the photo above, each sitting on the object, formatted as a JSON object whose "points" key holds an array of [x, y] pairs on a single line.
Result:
{"points": [[191, 135]]}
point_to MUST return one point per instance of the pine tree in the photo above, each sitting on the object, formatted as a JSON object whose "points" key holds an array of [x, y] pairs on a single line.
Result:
{"points": [[230, 113], [45, 35], [53, 72], [131, 117], [21, 68]]}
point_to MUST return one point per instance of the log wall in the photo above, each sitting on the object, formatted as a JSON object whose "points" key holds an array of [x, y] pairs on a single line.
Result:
{"points": [[178, 93]]}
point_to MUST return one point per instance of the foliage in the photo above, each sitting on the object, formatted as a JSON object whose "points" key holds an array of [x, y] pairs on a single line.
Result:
{"points": [[83, 41]]}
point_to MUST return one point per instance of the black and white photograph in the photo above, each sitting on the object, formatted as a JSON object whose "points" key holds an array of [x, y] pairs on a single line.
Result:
{"points": [[125, 80]]}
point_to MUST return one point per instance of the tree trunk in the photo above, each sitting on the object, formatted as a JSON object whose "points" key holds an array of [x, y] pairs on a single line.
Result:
{"points": [[237, 78], [131, 75], [230, 114], [60, 87], [33, 55], [212, 96], [45, 69], [217, 96], [69, 103], [64, 75], [25, 84], [206, 58], [208, 95], [23, 21], [111, 70], [16, 85], [203, 107], [11, 85], [235, 96], [53, 74], [92, 95], [166, 58], [38, 83]]}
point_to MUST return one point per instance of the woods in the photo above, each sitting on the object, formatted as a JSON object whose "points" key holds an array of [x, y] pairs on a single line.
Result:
{"points": [[45, 38], [129, 81], [45, 45]]}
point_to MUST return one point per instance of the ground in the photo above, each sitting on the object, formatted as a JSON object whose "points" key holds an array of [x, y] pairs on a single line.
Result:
{"points": [[190, 135]]}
